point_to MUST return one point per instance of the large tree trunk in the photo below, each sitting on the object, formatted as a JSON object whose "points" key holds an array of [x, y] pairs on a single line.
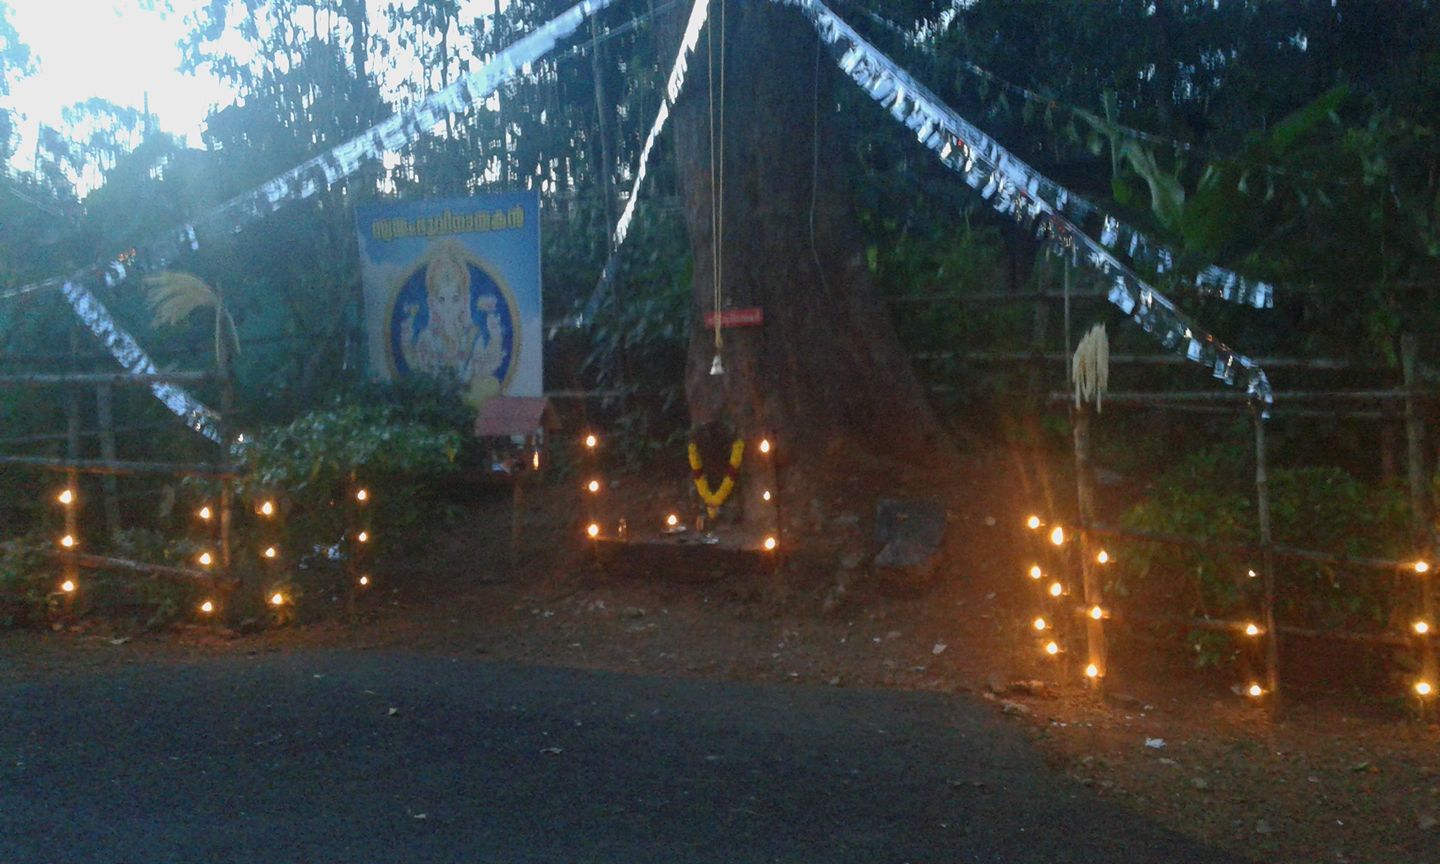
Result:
{"points": [[827, 363]]}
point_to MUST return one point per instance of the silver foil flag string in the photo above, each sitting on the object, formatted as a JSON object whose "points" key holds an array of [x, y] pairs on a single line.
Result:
{"points": [[1013, 188], [123, 347], [403, 127], [310, 177], [896, 89], [699, 14], [674, 84]]}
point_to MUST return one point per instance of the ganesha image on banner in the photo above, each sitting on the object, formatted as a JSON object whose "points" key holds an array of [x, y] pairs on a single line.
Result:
{"points": [[452, 318]]}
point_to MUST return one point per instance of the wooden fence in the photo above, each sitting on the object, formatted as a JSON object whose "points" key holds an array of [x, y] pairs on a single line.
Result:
{"points": [[212, 570], [1402, 402]]}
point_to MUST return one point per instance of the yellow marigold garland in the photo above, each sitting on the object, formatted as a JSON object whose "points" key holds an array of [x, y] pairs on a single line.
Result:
{"points": [[714, 499]]}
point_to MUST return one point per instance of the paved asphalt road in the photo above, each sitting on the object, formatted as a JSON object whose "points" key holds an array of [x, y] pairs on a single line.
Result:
{"points": [[300, 758]]}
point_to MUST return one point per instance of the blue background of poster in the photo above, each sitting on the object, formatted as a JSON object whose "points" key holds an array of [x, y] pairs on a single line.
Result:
{"points": [[409, 255]]}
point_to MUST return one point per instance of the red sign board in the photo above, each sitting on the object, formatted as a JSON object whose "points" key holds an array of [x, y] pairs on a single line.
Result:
{"points": [[753, 316]]}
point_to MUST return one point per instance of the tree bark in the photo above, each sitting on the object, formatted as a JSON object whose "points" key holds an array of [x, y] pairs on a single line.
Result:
{"points": [[826, 363]]}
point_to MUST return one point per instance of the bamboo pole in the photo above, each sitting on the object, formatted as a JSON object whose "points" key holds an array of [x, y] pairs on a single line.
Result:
{"points": [[993, 297], [184, 349], [602, 117], [72, 477], [1239, 627], [105, 421], [357, 524], [1242, 396], [1034, 355], [1283, 412], [90, 379], [1279, 549], [102, 562], [1089, 571], [118, 466], [52, 437], [225, 582], [1034, 367], [517, 501], [1267, 552], [612, 393], [1421, 503], [225, 373]]}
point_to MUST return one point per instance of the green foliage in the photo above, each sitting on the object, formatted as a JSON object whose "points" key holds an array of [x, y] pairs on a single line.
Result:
{"points": [[14, 64], [163, 601], [641, 442], [426, 400], [1321, 508], [27, 584], [322, 449], [966, 258], [641, 336], [314, 464]]}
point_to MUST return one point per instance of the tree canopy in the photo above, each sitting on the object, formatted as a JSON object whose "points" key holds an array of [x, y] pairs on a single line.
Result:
{"points": [[1291, 141]]}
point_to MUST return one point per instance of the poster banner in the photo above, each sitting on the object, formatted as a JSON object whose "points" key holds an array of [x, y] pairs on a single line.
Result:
{"points": [[452, 289]]}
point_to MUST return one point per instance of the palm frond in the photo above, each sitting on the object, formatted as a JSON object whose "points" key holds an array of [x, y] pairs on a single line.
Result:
{"points": [[174, 296]]}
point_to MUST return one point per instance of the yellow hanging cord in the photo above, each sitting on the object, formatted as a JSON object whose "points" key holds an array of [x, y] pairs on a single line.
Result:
{"points": [[720, 205], [717, 180]]}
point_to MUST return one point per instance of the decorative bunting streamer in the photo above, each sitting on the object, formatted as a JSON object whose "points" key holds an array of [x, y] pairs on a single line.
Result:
{"points": [[891, 85], [128, 352], [699, 13], [319, 173], [674, 83], [1014, 188]]}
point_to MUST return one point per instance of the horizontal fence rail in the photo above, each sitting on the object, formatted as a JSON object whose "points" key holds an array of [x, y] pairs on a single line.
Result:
{"points": [[1256, 548], [54, 437], [994, 297], [103, 562], [48, 379], [1151, 397], [1317, 365], [1223, 625], [116, 466]]}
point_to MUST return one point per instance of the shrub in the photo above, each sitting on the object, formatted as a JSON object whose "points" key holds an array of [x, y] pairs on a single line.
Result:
{"points": [[312, 464], [1323, 509], [27, 585]]}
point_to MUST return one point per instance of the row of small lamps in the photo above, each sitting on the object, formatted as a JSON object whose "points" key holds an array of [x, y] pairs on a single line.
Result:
{"points": [[1056, 589], [69, 499], [594, 486]]}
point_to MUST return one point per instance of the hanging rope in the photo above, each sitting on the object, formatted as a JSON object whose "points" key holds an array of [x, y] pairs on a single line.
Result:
{"points": [[717, 193], [716, 367]]}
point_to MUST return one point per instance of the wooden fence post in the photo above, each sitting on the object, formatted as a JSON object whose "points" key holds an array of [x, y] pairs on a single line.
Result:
{"points": [[224, 428], [1267, 563], [517, 503], [1089, 572], [69, 570], [1421, 502], [105, 421], [1035, 368]]}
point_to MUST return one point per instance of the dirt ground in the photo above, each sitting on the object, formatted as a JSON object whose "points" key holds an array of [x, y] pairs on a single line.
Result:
{"points": [[1346, 775]]}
